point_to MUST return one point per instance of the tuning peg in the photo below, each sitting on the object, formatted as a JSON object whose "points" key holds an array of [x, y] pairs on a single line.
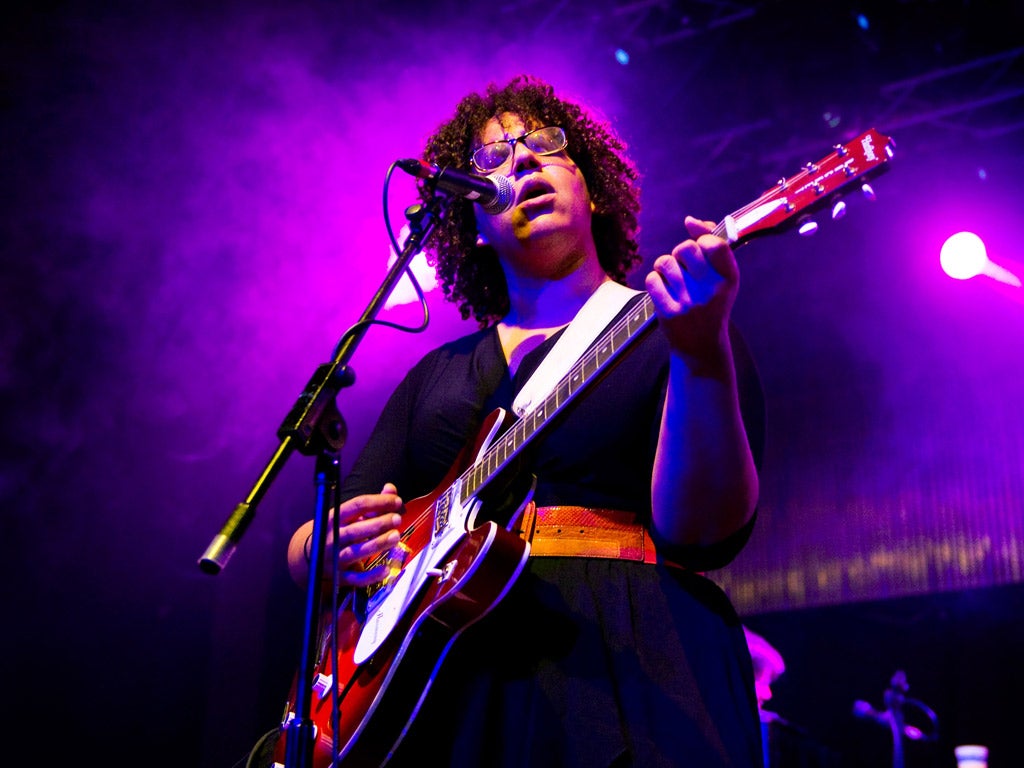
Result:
{"points": [[838, 208], [869, 193], [806, 226]]}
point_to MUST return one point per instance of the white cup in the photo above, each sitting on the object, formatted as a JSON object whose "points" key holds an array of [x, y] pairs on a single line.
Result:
{"points": [[971, 756]]}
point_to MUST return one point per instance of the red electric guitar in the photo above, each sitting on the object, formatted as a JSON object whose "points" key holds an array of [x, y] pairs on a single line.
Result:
{"points": [[449, 571]]}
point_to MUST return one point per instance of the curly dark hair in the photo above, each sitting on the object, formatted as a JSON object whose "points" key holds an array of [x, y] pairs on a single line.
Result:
{"points": [[471, 276]]}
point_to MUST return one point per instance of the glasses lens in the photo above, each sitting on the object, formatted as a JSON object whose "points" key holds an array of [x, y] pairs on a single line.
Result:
{"points": [[546, 141], [543, 141], [491, 156]]}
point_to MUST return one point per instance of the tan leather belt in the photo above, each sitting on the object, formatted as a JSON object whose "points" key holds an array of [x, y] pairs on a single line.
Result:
{"points": [[586, 532]]}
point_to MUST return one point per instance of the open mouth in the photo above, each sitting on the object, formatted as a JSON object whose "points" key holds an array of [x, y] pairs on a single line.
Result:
{"points": [[534, 189]]}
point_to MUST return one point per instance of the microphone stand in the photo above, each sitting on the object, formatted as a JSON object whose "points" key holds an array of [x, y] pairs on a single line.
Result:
{"points": [[315, 427], [896, 700], [894, 697]]}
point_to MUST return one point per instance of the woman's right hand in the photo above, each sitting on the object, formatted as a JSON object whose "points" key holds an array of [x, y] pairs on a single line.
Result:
{"points": [[368, 526]]}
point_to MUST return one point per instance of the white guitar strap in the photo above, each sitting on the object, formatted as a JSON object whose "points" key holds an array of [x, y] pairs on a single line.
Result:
{"points": [[593, 317]]}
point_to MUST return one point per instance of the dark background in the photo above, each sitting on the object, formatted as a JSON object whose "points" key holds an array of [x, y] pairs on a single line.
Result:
{"points": [[192, 217]]}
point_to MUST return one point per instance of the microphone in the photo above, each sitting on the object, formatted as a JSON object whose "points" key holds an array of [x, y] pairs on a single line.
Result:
{"points": [[495, 194], [865, 710]]}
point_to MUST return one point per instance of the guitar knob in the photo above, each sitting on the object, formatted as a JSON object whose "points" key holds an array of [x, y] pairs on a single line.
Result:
{"points": [[322, 684], [869, 193], [807, 226]]}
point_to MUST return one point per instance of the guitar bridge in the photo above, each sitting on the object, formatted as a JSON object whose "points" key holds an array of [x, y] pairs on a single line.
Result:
{"points": [[445, 572]]}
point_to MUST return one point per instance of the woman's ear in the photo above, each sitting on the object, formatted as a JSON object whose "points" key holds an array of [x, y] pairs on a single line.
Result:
{"points": [[481, 241]]}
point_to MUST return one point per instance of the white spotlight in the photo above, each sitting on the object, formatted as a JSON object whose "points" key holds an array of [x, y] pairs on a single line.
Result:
{"points": [[963, 256]]}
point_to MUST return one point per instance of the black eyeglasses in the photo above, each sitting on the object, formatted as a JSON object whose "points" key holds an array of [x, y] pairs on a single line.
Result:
{"points": [[542, 141]]}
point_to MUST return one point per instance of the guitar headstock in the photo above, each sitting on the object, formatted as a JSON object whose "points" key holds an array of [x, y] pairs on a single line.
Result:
{"points": [[815, 186]]}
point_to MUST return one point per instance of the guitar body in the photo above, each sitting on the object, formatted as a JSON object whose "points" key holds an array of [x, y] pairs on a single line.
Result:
{"points": [[382, 682]]}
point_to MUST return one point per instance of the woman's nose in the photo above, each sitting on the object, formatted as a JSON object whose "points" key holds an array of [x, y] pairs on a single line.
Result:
{"points": [[523, 159]]}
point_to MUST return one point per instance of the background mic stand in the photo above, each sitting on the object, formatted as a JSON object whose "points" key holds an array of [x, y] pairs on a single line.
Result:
{"points": [[315, 427], [894, 698], [894, 718]]}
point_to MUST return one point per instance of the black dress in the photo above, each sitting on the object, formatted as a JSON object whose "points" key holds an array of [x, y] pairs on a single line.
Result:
{"points": [[586, 662]]}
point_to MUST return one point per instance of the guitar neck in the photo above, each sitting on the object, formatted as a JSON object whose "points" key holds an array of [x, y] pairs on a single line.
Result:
{"points": [[595, 362], [813, 187]]}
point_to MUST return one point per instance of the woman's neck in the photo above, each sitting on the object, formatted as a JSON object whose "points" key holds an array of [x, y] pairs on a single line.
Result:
{"points": [[551, 303]]}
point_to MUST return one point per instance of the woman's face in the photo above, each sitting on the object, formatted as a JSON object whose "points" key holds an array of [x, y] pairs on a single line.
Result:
{"points": [[550, 217]]}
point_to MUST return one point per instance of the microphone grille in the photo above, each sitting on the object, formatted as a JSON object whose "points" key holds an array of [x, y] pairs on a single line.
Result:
{"points": [[503, 201]]}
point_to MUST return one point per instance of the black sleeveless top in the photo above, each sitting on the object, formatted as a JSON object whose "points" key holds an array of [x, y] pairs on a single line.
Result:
{"points": [[585, 662]]}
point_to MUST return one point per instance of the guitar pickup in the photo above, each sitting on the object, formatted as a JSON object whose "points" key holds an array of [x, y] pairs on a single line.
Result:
{"points": [[442, 509]]}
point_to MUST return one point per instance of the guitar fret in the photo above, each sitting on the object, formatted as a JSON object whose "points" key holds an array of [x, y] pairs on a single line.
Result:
{"points": [[514, 440], [562, 392], [588, 361]]}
